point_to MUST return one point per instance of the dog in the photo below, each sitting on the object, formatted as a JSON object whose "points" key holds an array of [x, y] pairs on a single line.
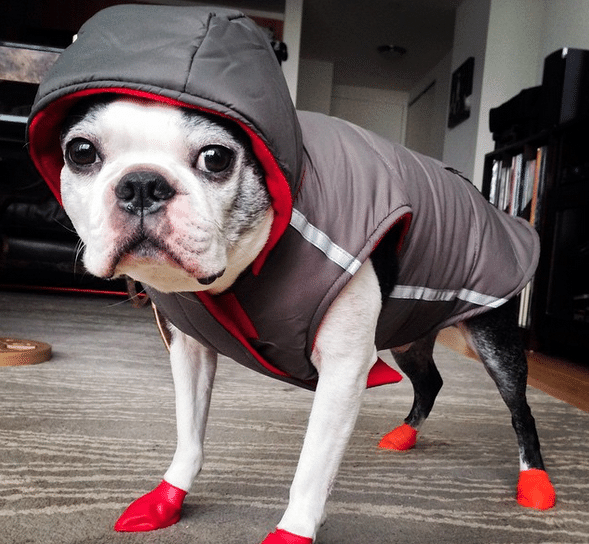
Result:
{"points": [[176, 199]]}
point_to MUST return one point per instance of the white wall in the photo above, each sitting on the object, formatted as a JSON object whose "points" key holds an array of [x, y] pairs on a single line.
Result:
{"points": [[509, 40], [566, 24], [470, 40], [293, 22], [383, 112], [427, 135], [379, 110], [513, 42], [315, 85], [419, 117]]}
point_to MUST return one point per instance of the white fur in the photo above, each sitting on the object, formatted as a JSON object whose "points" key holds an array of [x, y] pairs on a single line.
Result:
{"points": [[193, 370], [198, 233], [343, 369], [133, 136], [194, 221]]}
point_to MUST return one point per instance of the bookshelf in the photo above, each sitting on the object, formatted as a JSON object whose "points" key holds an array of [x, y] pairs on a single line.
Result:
{"points": [[545, 180]]}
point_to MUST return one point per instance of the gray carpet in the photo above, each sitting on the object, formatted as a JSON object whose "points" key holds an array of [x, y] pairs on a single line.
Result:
{"points": [[84, 434]]}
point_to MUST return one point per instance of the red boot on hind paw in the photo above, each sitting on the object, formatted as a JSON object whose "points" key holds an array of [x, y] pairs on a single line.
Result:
{"points": [[157, 509], [284, 537], [534, 490], [402, 438]]}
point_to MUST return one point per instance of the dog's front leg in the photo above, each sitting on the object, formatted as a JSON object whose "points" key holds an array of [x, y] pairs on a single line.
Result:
{"points": [[344, 352], [193, 370]]}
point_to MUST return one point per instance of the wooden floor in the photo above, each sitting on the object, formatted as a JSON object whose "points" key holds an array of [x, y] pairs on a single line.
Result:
{"points": [[562, 379]]}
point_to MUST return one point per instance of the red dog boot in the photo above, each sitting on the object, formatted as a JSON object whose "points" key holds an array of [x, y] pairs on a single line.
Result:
{"points": [[157, 509], [284, 537], [402, 438], [534, 490]]}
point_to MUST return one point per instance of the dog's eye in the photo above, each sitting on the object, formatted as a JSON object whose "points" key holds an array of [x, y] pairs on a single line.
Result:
{"points": [[81, 152], [214, 159]]}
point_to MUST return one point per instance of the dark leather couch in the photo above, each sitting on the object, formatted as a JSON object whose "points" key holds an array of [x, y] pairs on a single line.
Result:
{"points": [[38, 245]]}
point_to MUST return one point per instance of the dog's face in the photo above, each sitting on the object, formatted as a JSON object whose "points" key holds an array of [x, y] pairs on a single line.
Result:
{"points": [[162, 194]]}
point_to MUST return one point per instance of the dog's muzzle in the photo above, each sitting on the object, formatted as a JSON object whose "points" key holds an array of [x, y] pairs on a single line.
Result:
{"points": [[143, 192]]}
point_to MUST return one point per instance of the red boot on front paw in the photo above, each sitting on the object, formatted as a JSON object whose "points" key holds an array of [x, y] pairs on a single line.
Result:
{"points": [[284, 537], [157, 509], [402, 438], [534, 489]]}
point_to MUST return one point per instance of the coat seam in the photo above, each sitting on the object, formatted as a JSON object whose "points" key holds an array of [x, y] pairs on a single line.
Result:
{"points": [[196, 49]]}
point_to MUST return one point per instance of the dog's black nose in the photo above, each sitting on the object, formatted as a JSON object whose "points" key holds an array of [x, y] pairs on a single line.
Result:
{"points": [[143, 192]]}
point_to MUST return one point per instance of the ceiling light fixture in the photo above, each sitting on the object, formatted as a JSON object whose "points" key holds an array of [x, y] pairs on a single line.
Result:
{"points": [[398, 50]]}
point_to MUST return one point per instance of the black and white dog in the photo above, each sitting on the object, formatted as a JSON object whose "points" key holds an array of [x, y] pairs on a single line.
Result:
{"points": [[177, 200]]}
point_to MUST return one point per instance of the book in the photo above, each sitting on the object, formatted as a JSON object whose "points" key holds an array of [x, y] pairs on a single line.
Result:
{"points": [[495, 180], [516, 187], [515, 197], [528, 188], [538, 186]]}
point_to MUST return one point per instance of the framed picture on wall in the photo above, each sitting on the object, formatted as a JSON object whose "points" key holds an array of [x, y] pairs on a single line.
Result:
{"points": [[460, 93]]}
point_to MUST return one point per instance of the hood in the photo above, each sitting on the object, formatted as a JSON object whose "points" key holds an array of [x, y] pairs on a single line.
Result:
{"points": [[211, 59]]}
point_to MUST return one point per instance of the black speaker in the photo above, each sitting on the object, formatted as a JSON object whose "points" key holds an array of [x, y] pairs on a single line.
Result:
{"points": [[565, 84]]}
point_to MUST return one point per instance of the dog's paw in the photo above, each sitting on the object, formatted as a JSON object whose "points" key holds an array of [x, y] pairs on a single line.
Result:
{"points": [[534, 490], [402, 438], [284, 537], [157, 509]]}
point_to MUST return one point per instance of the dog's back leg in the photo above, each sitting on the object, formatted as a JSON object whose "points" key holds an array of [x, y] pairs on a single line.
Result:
{"points": [[495, 337], [418, 364]]}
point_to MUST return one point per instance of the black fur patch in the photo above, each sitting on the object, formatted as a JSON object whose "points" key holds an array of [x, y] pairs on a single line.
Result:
{"points": [[84, 108], [385, 262]]}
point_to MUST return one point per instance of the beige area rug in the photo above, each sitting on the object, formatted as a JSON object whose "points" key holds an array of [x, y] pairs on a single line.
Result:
{"points": [[83, 435]]}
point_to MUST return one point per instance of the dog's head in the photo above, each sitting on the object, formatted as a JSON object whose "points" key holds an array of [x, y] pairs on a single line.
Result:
{"points": [[171, 197]]}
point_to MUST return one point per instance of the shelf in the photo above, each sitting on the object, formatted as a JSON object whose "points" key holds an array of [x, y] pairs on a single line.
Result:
{"points": [[558, 312]]}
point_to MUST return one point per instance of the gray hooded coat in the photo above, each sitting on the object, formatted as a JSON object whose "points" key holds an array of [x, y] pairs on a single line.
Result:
{"points": [[336, 190]]}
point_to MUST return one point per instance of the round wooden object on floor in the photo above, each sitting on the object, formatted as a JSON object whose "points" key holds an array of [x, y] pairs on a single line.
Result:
{"points": [[15, 352]]}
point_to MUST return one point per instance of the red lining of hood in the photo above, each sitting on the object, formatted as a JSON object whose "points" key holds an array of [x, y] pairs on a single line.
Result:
{"points": [[231, 324], [45, 151]]}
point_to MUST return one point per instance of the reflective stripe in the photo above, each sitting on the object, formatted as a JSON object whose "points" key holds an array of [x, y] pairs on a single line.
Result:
{"points": [[349, 263], [409, 292], [322, 242]]}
